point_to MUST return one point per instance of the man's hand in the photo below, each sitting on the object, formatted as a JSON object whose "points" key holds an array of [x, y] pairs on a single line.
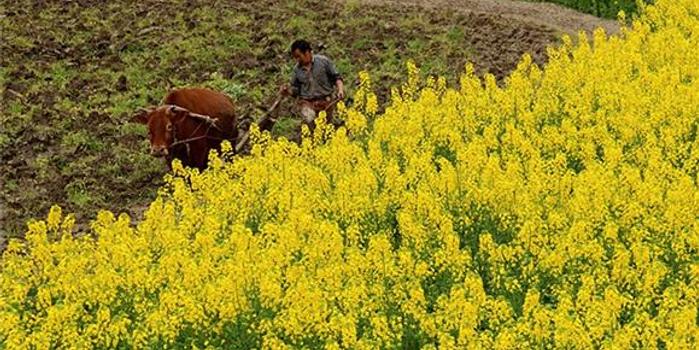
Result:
{"points": [[284, 90], [340, 90]]}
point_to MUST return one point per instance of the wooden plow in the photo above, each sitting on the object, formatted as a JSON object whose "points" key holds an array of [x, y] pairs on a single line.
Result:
{"points": [[266, 122]]}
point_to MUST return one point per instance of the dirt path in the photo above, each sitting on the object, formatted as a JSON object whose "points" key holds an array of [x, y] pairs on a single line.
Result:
{"points": [[552, 16]]}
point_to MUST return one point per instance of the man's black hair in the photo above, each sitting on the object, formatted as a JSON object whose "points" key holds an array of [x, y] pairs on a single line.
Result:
{"points": [[301, 45]]}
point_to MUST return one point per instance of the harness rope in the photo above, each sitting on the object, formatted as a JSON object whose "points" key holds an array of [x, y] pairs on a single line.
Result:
{"points": [[190, 138], [241, 141]]}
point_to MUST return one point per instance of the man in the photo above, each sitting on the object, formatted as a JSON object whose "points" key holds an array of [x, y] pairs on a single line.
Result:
{"points": [[312, 81]]}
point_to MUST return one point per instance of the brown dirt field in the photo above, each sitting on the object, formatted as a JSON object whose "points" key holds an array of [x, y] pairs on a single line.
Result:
{"points": [[552, 16]]}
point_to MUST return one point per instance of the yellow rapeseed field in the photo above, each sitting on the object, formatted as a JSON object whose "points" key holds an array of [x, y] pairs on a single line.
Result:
{"points": [[557, 211]]}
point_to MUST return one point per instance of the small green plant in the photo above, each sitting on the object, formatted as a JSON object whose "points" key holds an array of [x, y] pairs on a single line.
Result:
{"points": [[231, 88], [78, 194], [60, 74], [285, 126], [82, 140]]}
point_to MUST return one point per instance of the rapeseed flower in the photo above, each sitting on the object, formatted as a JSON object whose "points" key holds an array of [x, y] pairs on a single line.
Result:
{"points": [[556, 211]]}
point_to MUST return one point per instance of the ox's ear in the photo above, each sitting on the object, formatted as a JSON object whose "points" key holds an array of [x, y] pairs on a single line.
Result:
{"points": [[141, 115]]}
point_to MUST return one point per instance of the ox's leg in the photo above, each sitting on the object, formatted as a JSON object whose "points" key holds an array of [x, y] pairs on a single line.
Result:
{"points": [[168, 162], [178, 152], [199, 154]]}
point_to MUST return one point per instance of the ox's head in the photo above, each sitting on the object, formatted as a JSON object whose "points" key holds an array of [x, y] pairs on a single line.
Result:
{"points": [[162, 124]]}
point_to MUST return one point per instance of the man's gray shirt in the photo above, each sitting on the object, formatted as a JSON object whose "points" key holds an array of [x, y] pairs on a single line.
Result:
{"points": [[318, 82]]}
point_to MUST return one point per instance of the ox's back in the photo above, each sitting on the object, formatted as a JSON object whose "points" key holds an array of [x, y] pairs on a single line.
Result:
{"points": [[207, 102]]}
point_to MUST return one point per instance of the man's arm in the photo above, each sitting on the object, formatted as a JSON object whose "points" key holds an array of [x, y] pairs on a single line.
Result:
{"points": [[293, 88], [335, 76]]}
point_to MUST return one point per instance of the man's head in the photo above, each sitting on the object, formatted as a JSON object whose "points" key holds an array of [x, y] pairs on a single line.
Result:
{"points": [[302, 52]]}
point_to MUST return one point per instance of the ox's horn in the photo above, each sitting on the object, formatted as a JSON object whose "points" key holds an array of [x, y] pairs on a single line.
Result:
{"points": [[211, 121], [172, 109]]}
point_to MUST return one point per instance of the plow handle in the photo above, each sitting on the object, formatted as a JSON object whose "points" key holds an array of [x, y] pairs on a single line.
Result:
{"points": [[264, 123]]}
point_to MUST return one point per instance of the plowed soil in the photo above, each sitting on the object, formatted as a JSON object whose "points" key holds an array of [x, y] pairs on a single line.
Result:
{"points": [[541, 14]]}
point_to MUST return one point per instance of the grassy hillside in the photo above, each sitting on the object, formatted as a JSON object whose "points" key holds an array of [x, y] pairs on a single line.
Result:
{"points": [[72, 73], [600, 8]]}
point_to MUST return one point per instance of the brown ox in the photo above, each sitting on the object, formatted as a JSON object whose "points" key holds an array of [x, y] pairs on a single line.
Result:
{"points": [[189, 123]]}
